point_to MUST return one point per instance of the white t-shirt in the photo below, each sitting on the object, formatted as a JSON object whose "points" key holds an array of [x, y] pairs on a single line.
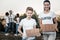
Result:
{"points": [[18, 19], [47, 18], [7, 19], [27, 24], [11, 17]]}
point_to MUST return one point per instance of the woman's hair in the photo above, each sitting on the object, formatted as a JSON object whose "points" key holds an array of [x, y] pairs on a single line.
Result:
{"points": [[2, 19], [17, 14], [29, 8], [47, 1], [6, 13]]}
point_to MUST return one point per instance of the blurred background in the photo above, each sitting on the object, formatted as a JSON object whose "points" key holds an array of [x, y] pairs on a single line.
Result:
{"points": [[12, 11], [19, 6]]}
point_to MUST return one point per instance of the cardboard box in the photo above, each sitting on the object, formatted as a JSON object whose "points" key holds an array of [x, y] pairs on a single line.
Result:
{"points": [[48, 27], [32, 32]]}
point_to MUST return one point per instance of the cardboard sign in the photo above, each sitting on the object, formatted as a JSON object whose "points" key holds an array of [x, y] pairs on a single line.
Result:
{"points": [[48, 27], [32, 32]]}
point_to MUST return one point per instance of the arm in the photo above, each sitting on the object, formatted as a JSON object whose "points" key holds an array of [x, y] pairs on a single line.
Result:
{"points": [[19, 30], [20, 26], [34, 27], [40, 23], [55, 21]]}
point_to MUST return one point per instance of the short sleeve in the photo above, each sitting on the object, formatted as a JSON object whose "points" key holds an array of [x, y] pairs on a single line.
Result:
{"points": [[21, 23], [39, 16], [53, 15], [35, 22]]}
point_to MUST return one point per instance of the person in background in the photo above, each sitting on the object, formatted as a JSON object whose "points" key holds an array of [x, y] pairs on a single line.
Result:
{"points": [[47, 17], [6, 17], [17, 21], [11, 20], [3, 25], [27, 24]]}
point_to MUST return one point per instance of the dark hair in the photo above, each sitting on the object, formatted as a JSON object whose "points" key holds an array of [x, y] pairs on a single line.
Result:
{"points": [[17, 14], [6, 13], [29, 8], [47, 1], [2, 19]]}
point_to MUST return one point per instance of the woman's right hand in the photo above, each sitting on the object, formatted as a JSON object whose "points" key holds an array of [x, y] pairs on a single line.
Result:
{"points": [[21, 34]]}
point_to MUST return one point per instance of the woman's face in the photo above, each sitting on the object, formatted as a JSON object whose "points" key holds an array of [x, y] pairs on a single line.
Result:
{"points": [[29, 13], [46, 6]]}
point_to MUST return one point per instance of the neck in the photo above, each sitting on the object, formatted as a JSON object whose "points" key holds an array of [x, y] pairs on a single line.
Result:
{"points": [[46, 11], [28, 18]]}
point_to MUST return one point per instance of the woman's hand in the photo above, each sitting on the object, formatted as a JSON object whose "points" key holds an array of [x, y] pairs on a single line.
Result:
{"points": [[38, 35], [56, 28], [21, 34]]}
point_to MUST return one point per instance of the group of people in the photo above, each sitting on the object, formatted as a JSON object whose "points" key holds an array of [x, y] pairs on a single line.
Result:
{"points": [[45, 17], [9, 23]]}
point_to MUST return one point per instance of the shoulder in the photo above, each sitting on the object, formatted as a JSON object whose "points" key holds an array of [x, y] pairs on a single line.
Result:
{"points": [[52, 12], [23, 19], [40, 14], [33, 19]]}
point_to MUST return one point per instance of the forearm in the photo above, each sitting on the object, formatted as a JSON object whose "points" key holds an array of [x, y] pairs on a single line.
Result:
{"points": [[19, 30], [56, 24], [55, 21]]}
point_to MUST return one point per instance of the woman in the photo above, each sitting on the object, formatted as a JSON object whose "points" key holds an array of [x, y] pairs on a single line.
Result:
{"points": [[2, 25], [27, 23], [17, 20], [47, 17]]}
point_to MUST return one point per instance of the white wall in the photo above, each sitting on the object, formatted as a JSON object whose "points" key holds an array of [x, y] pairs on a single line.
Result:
{"points": [[20, 5]]}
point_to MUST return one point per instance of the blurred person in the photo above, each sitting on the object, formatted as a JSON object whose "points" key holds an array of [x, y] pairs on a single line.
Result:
{"points": [[6, 17], [27, 23], [17, 20], [3, 25], [11, 20], [48, 17]]}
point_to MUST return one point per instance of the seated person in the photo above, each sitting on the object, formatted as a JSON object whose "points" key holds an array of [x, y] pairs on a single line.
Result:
{"points": [[4, 27]]}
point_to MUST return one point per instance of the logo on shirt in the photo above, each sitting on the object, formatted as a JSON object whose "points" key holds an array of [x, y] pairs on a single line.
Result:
{"points": [[48, 18]]}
